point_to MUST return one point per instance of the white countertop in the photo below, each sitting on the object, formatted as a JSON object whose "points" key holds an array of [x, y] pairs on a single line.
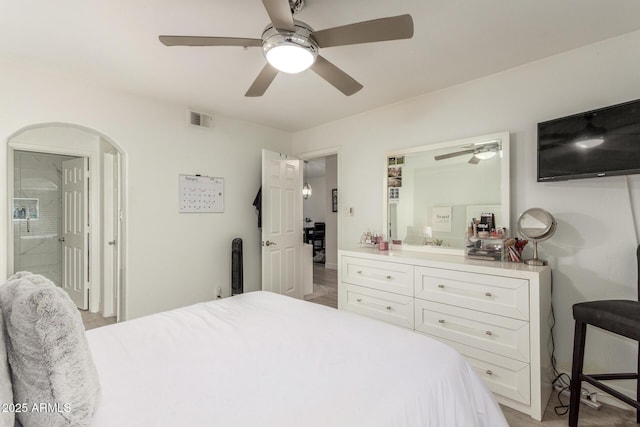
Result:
{"points": [[438, 260]]}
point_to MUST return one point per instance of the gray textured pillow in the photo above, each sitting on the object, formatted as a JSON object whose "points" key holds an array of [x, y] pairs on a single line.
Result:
{"points": [[53, 374], [7, 416]]}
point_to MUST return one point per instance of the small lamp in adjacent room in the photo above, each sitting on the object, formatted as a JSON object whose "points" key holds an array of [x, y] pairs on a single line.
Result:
{"points": [[306, 189]]}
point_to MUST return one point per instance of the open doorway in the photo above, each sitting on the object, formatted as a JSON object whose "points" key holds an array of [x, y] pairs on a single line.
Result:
{"points": [[320, 213], [37, 213], [67, 218]]}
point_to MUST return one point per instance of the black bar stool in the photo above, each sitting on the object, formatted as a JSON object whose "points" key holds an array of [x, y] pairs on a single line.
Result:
{"points": [[621, 317]]}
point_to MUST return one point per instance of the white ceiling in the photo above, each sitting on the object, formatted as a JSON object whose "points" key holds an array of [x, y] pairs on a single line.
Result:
{"points": [[115, 44]]}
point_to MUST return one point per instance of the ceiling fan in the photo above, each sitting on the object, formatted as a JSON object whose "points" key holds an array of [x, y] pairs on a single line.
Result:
{"points": [[480, 151], [291, 46]]}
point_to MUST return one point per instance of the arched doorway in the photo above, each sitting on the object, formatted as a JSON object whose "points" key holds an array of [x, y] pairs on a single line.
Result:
{"points": [[73, 233]]}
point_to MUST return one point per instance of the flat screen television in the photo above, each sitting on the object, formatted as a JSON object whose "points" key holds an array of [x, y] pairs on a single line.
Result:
{"points": [[597, 143]]}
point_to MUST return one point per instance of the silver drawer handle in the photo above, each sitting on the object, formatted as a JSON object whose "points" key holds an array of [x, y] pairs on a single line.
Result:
{"points": [[362, 273], [442, 321], [486, 294], [388, 307], [489, 372]]}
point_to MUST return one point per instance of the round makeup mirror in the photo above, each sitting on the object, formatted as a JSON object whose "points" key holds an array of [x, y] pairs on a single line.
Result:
{"points": [[536, 224]]}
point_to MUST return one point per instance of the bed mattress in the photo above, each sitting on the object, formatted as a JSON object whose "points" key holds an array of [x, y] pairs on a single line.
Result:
{"points": [[262, 359]]}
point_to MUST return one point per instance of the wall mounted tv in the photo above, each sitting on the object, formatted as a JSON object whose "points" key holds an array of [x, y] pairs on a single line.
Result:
{"points": [[602, 142]]}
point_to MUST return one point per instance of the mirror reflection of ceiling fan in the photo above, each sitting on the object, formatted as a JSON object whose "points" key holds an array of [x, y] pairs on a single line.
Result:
{"points": [[291, 46], [479, 151]]}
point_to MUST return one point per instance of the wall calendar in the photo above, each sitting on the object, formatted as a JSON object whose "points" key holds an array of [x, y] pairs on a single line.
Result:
{"points": [[201, 193]]}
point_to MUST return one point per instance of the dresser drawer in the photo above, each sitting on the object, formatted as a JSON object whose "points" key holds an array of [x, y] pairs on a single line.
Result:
{"points": [[385, 276], [505, 296], [385, 306], [495, 334], [505, 377]]}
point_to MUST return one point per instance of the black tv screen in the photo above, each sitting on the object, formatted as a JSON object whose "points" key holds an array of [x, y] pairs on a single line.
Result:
{"points": [[595, 143]]}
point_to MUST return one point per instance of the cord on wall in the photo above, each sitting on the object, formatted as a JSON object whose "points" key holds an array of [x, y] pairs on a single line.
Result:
{"points": [[633, 214]]}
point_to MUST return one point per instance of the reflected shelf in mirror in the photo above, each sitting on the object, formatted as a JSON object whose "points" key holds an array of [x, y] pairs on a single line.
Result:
{"points": [[433, 193]]}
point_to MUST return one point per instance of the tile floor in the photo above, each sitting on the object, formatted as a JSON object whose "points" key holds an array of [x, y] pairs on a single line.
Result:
{"points": [[606, 416]]}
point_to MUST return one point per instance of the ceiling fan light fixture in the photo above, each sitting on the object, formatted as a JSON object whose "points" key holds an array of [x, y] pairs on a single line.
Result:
{"points": [[289, 58], [485, 155], [289, 52]]}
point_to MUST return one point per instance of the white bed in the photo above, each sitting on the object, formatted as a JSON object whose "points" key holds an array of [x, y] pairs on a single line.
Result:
{"points": [[261, 359]]}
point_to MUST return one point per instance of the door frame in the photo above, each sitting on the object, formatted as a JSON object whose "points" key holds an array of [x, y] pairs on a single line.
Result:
{"points": [[94, 188], [110, 230], [95, 192]]}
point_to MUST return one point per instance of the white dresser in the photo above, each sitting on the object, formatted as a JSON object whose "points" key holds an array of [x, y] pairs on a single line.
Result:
{"points": [[495, 314]]}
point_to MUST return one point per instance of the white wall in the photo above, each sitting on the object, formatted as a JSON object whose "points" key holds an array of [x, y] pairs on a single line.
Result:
{"points": [[593, 251], [173, 259]]}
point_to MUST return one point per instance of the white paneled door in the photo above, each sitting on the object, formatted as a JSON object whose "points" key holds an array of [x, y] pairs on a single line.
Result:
{"points": [[75, 230], [281, 224]]}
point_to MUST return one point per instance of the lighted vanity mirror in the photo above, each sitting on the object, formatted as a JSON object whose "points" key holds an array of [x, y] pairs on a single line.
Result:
{"points": [[434, 192]]}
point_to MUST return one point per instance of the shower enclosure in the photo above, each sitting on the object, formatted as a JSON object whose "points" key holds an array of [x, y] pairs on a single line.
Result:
{"points": [[38, 214]]}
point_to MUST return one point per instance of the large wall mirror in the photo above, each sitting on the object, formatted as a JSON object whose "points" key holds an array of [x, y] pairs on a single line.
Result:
{"points": [[434, 192]]}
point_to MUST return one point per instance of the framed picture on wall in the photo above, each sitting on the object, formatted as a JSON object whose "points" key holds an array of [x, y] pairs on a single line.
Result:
{"points": [[334, 200]]}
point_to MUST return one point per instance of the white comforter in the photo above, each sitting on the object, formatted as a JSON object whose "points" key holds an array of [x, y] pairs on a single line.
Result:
{"points": [[261, 359]]}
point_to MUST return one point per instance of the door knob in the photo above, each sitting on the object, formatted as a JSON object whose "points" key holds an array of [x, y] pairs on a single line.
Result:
{"points": [[269, 243], [60, 239], [111, 243]]}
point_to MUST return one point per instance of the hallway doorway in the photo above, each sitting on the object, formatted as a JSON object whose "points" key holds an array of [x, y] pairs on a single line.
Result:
{"points": [[321, 224]]}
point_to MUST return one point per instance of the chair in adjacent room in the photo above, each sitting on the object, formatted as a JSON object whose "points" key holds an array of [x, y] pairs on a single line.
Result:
{"points": [[318, 242], [621, 317]]}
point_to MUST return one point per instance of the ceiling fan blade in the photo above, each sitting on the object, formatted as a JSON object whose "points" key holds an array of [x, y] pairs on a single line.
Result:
{"points": [[208, 41], [262, 82], [280, 14], [334, 75], [474, 160], [450, 155], [376, 30]]}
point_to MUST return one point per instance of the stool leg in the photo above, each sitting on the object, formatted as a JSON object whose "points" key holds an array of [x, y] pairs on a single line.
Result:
{"points": [[638, 380], [576, 371]]}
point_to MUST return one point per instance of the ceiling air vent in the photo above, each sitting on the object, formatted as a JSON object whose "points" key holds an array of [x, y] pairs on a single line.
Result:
{"points": [[200, 119]]}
